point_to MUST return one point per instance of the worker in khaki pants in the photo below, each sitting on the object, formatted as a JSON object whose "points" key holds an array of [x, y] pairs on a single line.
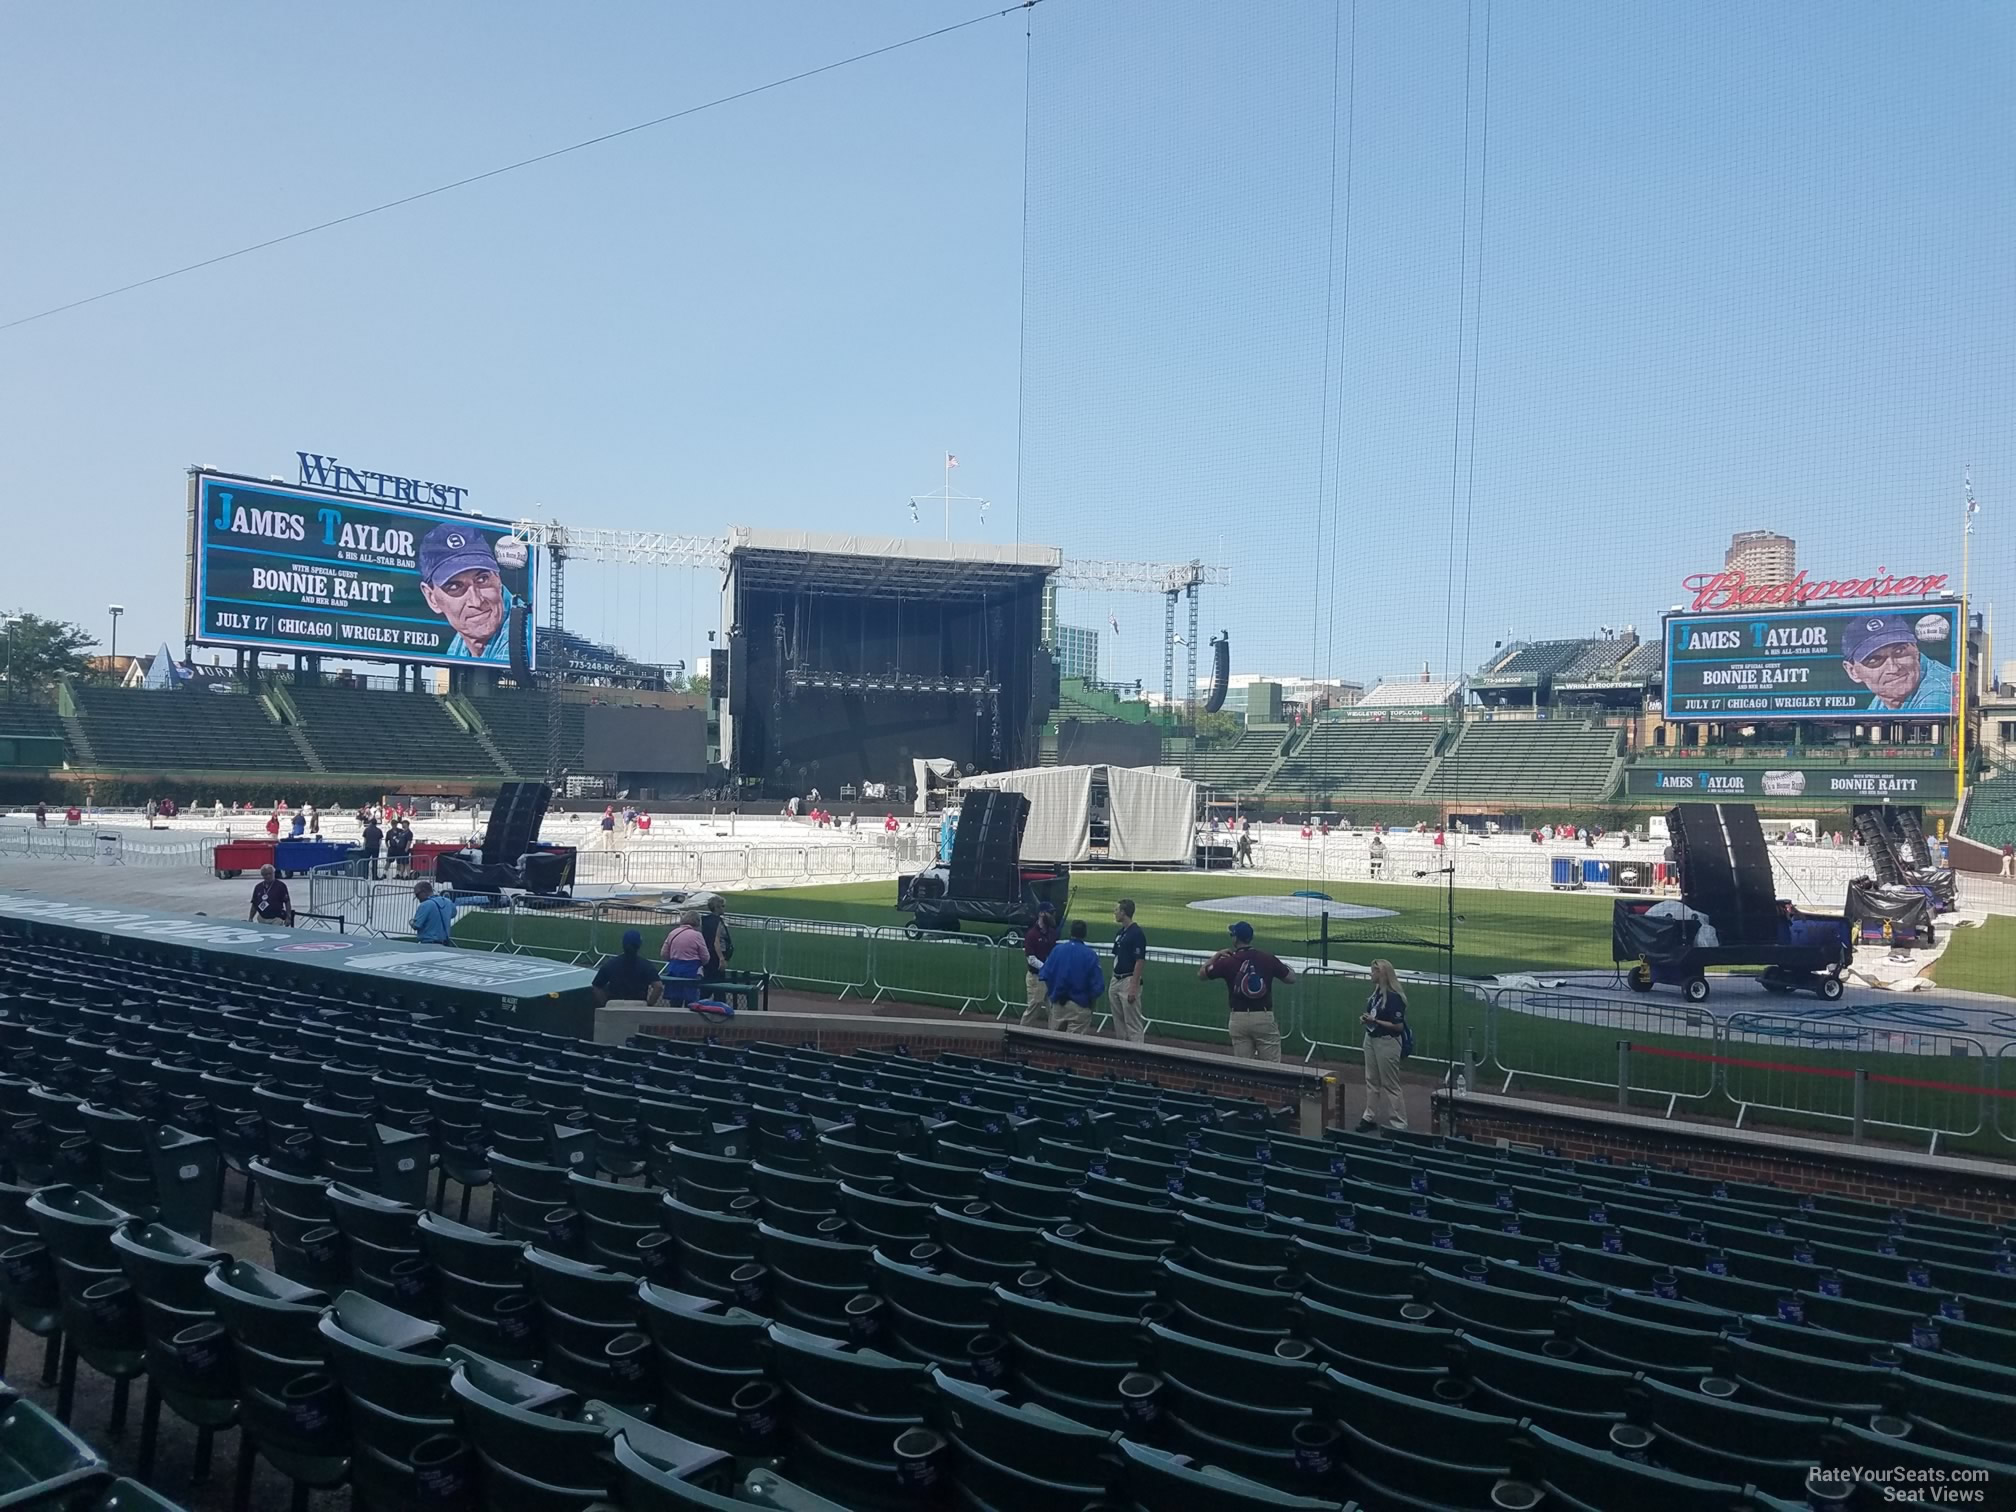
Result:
{"points": [[1249, 975], [1038, 940], [1074, 980], [1130, 955]]}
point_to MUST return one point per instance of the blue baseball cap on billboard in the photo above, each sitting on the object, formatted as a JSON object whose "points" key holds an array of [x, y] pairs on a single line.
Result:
{"points": [[1242, 932], [1868, 634], [451, 548]]}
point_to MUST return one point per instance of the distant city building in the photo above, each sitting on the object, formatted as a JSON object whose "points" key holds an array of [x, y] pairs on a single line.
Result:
{"points": [[1764, 557], [1078, 652], [1297, 693]]}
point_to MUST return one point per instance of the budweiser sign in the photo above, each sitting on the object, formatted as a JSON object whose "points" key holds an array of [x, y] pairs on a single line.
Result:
{"points": [[1728, 589]]}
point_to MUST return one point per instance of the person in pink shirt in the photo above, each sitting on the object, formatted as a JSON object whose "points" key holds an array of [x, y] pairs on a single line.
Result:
{"points": [[685, 955]]}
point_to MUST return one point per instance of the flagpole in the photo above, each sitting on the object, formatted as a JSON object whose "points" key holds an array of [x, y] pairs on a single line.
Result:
{"points": [[1960, 730], [948, 496]]}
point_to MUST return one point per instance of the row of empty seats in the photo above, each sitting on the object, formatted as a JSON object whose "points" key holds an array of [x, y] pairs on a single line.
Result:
{"points": [[183, 729], [1370, 758], [875, 1274], [518, 726], [1530, 759], [1241, 766]]}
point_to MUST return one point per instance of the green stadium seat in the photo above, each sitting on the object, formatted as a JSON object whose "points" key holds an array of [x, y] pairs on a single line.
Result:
{"points": [[44, 1467], [931, 1317], [290, 1408], [188, 1361], [1385, 1351], [1417, 1453], [705, 1354], [1805, 1383], [1853, 1449], [1015, 1457], [1679, 1356], [1577, 1399], [1721, 1439], [1157, 1481], [983, 1250], [1578, 1476], [585, 1311], [845, 1410], [643, 1485], [1234, 1407], [1070, 1360]]}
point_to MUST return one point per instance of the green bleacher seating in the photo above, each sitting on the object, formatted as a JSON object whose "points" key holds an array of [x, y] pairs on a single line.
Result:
{"points": [[1991, 811], [183, 729], [517, 725], [1360, 758], [1529, 759], [354, 730], [1238, 767]]}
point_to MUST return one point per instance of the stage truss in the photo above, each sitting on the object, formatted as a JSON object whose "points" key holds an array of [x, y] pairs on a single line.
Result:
{"points": [[660, 548]]}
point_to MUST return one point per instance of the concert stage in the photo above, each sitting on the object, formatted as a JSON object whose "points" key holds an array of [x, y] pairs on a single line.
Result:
{"points": [[849, 656], [471, 984]]}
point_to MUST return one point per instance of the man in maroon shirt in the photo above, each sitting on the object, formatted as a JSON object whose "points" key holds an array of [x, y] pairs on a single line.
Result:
{"points": [[1249, 974], [1038, 940]]}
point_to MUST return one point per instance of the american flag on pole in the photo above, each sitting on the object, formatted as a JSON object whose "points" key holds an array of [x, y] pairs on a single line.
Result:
{"points": [[950, 460]]}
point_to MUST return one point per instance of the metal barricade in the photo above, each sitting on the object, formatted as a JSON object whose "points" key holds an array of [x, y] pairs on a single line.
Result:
{"points": [[2004, 1082], [1837, 1071], [1558, 1037], [814, 953], [933, 968]]}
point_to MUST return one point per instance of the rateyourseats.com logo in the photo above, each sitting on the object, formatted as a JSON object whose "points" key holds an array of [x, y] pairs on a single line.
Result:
{"points": [[1915, 1485]]}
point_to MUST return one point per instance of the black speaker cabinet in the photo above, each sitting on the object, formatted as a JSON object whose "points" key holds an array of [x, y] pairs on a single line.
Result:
{"points": [[987, 850], [515, 819], [1725, 870]]}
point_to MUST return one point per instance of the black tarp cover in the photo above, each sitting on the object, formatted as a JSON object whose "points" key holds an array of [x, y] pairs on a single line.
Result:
{"points": [[1636, 936]]}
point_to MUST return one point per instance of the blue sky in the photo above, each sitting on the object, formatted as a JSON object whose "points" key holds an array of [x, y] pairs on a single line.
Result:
{"points": [[1740, 266]]}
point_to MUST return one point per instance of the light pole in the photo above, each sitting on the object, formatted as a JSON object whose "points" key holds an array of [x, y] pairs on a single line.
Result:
{"points": [[10, 620], [112, 659]]}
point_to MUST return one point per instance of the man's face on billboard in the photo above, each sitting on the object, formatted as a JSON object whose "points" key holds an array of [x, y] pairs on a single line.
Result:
{"points": [[1892, 673], [472, 601]]}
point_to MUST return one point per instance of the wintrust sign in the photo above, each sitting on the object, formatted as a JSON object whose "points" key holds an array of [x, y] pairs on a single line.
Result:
{"points": [[1729, 589]]}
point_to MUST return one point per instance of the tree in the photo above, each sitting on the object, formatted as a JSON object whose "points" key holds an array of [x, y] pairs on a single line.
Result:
{"points": [[699, 686], [1218, 727], [38, 653]]}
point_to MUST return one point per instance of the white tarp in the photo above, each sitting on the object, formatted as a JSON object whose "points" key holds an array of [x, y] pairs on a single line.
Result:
{"points": [[923, 769], [1060, 809], [1149, 817]]}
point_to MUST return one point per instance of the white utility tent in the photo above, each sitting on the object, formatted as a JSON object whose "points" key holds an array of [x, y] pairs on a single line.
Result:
{"points": [[1151, 815]]}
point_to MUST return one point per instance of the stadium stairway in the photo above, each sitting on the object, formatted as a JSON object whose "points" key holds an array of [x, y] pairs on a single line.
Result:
{"points": [[1352, 758], [1007, 1285], [516, 723], [465, 713], [1238, 767]]}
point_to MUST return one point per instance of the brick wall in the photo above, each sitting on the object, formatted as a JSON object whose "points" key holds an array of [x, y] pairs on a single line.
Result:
{"points": [[1959, 1192]]}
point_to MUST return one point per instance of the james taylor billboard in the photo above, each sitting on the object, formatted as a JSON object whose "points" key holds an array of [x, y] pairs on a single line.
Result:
{"points": [[284, 569], [1812, 664]]}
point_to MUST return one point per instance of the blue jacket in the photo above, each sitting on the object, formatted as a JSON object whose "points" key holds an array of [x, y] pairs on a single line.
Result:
{"points": [[1073, 974], [434, 920]]}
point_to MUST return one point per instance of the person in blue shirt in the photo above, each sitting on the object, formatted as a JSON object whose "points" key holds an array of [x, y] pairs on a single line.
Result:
{"points": [[434, 919], [1880, 651], [461, 581], [1075, 979]]}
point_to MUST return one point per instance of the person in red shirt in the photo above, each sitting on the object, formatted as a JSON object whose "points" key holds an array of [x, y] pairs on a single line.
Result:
{"points": [[273, 825], [1038, 940], [888, 824]]}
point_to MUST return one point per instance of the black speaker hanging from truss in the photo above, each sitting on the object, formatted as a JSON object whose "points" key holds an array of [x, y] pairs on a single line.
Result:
{"points": [[1221, 670]]}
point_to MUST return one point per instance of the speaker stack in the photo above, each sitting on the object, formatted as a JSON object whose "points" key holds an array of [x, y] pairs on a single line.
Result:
{"points": [[515, 819], [1725, 870], [987, 850]]}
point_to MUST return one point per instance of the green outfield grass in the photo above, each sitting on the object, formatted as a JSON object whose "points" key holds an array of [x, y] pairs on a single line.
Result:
{"points": [[1495, 932], [1980, 960]]}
